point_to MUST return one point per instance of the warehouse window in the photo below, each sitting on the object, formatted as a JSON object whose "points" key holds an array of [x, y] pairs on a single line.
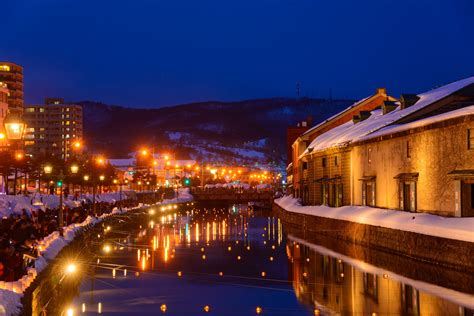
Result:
{"points": [[470, 138]]}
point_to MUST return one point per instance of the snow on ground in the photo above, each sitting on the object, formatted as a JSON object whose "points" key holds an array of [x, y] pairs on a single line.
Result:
{"points": [[422, 223], [12, 292], [456, 297], [14, 204]]}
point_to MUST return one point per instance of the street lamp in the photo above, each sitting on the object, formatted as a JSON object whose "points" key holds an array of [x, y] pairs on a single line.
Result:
{"points": [[74, 169], [48, 169], [14, 126]]}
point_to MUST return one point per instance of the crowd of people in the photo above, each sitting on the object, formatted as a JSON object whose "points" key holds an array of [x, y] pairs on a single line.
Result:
{"points": [[20, 233]]}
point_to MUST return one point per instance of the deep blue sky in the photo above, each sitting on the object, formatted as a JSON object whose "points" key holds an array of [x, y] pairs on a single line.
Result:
{"points": [[163, 52]]}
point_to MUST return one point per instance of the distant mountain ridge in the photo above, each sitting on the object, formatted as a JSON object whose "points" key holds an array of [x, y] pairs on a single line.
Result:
{"points": [[244, 132]]}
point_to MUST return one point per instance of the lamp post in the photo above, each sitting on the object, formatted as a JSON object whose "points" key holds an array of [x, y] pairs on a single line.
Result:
{"points": [[48, 169], [14, 131]]}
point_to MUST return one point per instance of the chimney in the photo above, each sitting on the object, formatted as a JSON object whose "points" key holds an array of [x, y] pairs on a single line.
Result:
{"points": [[407, 100], [364, 115], [356, 119], [382, 91], [388, 106]]}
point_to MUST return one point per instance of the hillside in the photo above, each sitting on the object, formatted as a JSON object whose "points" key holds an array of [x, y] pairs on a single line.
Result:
{"points": [[244, 132]]}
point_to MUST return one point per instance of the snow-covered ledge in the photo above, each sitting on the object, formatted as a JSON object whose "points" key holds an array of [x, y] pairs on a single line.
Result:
{"points": [[12, 292], [422, 223]]}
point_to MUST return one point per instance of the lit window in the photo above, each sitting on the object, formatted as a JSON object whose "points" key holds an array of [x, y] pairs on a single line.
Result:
{"points": [[41, 110], [470, 138], [4, 68], [30, 110]]}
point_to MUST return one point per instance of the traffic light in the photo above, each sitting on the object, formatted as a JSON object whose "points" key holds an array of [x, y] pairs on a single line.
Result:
{"points": [[59, 183], [187, 181]]}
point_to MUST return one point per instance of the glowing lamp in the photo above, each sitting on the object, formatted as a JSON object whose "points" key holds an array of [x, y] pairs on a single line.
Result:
{"points": [[48, 169], [74, 169], [71, 268], [14, 126], [86, 178], [163, 308]]}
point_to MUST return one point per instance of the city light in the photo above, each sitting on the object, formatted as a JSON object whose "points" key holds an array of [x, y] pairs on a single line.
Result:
{"points": [[74, 169], [48, 169], [71, 268]]}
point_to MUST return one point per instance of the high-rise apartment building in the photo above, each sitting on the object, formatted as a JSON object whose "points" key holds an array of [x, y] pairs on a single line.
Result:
{"points": [[3, 111], [12, 75], [54, 128]]}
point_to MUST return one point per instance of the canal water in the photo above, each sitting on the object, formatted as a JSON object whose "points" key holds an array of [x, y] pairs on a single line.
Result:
{"points": [[233, 260]]}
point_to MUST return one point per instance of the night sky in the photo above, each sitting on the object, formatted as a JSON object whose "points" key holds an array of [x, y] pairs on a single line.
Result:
{"points": [[156, 52]]}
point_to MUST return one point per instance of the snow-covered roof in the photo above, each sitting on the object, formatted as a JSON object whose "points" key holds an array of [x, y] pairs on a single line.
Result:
{"points": [[355, 104], [128, 162], [469, 110], [350, 132]]}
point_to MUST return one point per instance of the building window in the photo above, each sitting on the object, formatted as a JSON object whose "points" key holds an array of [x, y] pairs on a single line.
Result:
{"points": [[368, 193], [325, 193], [30, 110], [470, 138], [407, 195], [408, 149], [371, 286], [336, 162], [369, 155], [41, 110], [4, 68], [323, 161]]}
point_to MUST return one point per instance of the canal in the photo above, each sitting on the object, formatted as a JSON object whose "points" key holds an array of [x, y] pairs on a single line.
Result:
{"points": [[234, 260]]}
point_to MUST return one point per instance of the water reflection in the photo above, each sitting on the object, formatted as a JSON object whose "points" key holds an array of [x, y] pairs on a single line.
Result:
{"points": [[236, 261], [338, 285]]}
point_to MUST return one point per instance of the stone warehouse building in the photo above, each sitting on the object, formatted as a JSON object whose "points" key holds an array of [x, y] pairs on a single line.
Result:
{"points": [[300, 177], [414, 155]]}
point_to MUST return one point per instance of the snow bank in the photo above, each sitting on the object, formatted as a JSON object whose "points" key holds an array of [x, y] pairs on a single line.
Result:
{"points": [[462, 299], [184, 195], [14, 204], [12, 292], [421, 223]]}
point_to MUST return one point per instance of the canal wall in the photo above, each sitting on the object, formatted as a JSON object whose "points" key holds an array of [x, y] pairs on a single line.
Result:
{"points": [[455, 254]]}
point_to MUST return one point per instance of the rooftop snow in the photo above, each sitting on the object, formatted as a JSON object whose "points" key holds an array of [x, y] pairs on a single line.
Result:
{"points": [[469, 110], [350, 132]]}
